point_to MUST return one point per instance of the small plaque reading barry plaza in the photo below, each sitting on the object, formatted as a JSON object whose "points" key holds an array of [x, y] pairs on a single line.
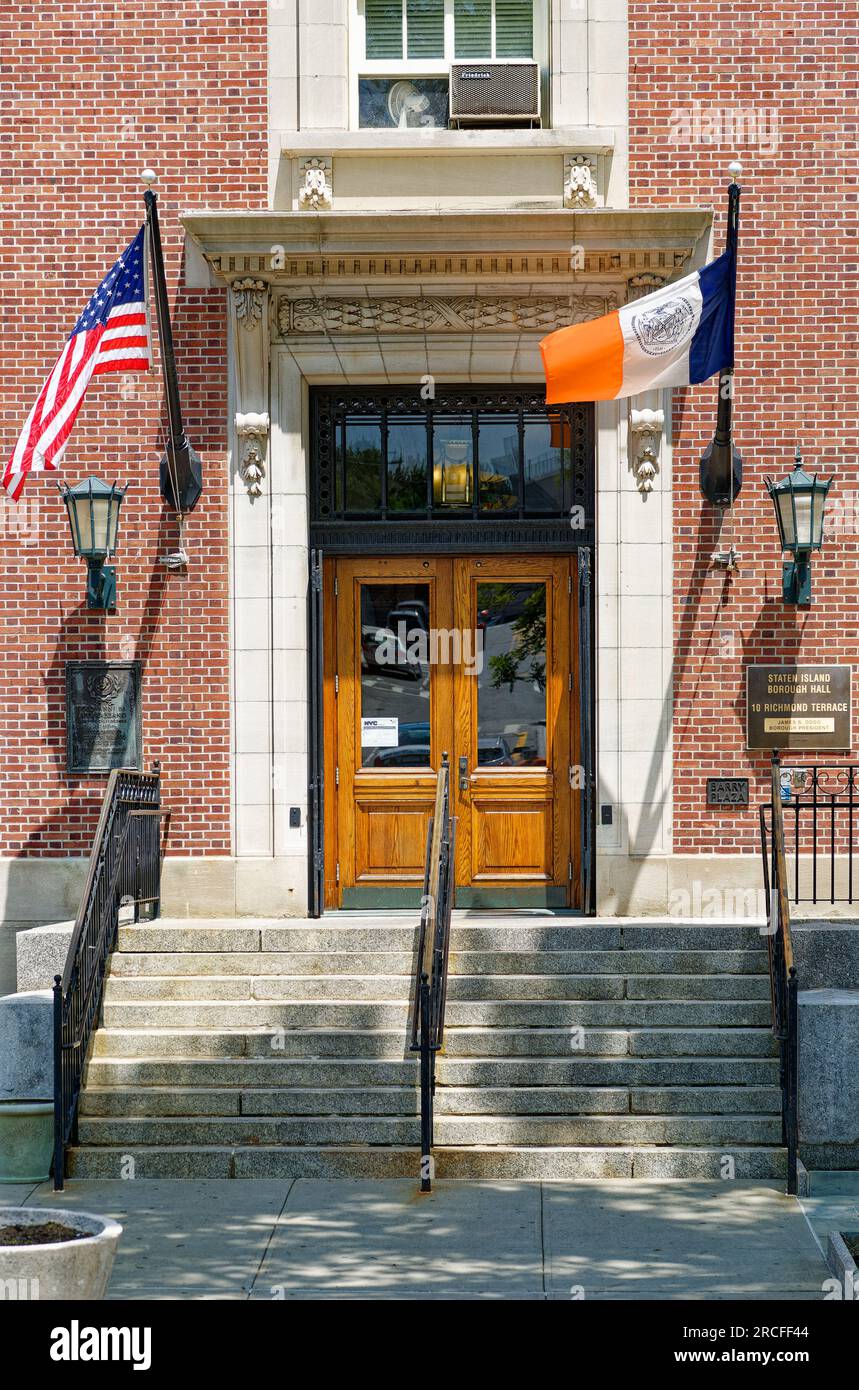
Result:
{"points": [[798, 707], [102, 715]]}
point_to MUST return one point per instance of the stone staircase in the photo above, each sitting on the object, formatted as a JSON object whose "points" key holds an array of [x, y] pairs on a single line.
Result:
{"points": [[254, 1049]]}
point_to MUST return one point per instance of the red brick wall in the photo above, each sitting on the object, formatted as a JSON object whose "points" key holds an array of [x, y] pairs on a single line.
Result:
{"points": [[797, 375], [89, 93]]}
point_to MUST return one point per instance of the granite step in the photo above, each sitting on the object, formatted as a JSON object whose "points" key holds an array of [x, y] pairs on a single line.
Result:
{"points": [[331, 988], [509, 1013], [155, 1102], [556, 1162], [491, 962], [601, 1130], [356, 1072], [469, 932], [473, 1042]]}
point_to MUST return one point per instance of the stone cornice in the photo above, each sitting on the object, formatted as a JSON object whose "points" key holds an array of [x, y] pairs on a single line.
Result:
{"points": [[474, 246]]}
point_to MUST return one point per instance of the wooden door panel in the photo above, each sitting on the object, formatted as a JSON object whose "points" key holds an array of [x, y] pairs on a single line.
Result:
{"points": [[513, 841], [390, 844]]}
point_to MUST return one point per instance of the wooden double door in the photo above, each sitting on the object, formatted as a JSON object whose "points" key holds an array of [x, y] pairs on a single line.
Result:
{"points": [[474, 656]]}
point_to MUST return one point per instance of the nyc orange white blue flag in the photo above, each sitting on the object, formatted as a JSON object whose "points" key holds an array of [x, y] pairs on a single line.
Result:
{"points": [[681, 334]]}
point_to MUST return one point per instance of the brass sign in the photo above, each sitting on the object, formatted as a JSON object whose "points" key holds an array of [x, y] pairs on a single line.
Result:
{"points": [[102, 716], [798, 707]]}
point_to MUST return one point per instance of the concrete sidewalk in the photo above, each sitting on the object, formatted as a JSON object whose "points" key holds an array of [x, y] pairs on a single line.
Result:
{"points": [[316, 1239]]}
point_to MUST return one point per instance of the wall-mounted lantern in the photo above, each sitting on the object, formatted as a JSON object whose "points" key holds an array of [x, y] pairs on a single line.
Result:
{"points": [[799, 501], [93, 509]]}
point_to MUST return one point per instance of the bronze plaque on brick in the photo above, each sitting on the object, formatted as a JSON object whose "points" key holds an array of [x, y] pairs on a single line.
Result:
{"points": [[102, 716], [798, 707]]}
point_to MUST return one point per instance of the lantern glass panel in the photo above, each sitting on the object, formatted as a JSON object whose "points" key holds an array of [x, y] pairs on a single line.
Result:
{"points": [[784, 506], [817, 516], [804, 535], [101, 539]]}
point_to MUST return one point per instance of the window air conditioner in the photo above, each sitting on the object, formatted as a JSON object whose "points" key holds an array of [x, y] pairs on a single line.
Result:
{"points": [[506, 91]]}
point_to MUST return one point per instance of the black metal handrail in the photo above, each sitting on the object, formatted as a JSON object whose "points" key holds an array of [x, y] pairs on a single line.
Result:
{"points": [[783, 976], [821, 811], [430, 989], [124, 868]]}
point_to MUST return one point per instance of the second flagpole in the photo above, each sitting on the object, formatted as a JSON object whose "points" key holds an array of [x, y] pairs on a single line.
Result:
{"points": [[721, 470]]}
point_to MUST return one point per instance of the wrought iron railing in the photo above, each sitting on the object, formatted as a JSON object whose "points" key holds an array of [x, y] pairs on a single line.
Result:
{"points": [[124, 869], [821, 813], [783, 977], [430, 990]]}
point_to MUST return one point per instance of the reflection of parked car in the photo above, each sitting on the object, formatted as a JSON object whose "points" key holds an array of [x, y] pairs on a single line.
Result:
{"points": [[408, 755], [413, 612], [493, 752], [416, 731], [382, 650]]}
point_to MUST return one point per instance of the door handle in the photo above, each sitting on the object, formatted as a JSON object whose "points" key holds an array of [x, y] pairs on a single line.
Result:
{"points": [[463, 775]]}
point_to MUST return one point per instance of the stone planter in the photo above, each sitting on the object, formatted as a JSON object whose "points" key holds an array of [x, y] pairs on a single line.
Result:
{"points": [[842, 1263], [72, 1269], [26, 1140]]}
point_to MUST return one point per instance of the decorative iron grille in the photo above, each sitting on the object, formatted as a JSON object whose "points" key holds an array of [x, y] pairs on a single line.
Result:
{"points": [[464, 468]]}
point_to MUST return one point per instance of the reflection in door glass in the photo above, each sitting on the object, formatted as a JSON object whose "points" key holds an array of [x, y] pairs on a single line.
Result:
{"points": [[395, 675], [511, 685], [407, 466], [498, 459]]}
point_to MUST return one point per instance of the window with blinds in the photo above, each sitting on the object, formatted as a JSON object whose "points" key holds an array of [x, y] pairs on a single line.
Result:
{"points": [[415, 29], [514, 28], [473, 28], [425, 28], [383, 20]]}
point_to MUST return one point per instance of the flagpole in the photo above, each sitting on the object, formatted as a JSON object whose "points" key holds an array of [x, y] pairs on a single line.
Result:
{"points": [[181, 467], [721, 470]]}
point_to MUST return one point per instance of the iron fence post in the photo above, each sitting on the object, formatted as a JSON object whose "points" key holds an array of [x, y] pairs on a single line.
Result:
{"points": [[426, 1088], [59, 1117], [792, 1047]]}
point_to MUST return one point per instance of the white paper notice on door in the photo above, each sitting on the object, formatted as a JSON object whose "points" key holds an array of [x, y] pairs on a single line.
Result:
{"points": [[380, 733]]}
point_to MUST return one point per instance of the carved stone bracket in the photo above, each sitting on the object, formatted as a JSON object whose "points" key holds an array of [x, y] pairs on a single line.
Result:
{"points": [[434, 314], [252, 430], [248, 299], [315, 191], [645, 432], [251, 341], [580, 182]]}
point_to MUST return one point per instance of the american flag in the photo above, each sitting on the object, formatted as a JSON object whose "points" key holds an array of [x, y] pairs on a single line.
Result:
{"points": [[111, 335]]}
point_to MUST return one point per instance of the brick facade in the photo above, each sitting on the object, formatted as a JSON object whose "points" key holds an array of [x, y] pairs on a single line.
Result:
{"points": [[89, 94], [793, 73]]}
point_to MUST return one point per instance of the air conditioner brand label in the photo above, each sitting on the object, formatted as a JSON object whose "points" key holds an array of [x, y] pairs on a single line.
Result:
{"points": [[470, 76]]}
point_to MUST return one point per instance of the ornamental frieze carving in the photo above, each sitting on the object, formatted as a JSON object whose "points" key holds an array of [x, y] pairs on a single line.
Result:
{"points": [[433, 314]]}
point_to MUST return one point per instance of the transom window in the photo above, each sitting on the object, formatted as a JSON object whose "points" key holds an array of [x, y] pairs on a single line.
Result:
{"points": [[492, 453]]}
